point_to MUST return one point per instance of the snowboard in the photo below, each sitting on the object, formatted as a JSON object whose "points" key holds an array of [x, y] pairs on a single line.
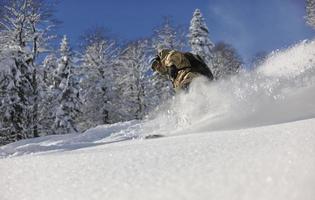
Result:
{"points": [[153, 136]]}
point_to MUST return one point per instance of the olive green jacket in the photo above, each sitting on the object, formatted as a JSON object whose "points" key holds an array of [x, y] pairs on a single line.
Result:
{"points": [[171, 58]]}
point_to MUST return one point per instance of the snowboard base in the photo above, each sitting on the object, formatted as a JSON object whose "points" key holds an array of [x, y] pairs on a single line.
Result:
{"points": [[153, 136]]}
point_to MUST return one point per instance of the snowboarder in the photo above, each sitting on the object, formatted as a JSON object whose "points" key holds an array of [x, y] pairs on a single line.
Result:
{"points": [[180, 67]]}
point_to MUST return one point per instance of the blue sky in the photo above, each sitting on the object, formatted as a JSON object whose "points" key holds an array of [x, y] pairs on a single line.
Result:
{"points": [[251, 26]]}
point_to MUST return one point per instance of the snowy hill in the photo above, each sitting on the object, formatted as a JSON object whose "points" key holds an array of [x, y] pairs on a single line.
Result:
{"points": [[275, 162], [249, 137]]}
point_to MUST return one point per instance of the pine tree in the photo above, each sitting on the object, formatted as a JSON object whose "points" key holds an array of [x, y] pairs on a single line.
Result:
{"points": [[19, 55], [17, 98], [67, 93], [50, 65], [167, 36], [3, 85], [24, 33], [310, 13], [199, 40], [48, 95]]}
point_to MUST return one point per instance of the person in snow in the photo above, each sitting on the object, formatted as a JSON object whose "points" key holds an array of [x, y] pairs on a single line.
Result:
{"points": [[180, 67]]}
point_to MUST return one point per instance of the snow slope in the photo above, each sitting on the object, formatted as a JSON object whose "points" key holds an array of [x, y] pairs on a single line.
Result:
{"points": [[275, 162], [249, 137]]}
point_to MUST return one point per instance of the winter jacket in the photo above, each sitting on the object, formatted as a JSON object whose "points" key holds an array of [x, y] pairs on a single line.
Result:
{"points": [[177, 66]]}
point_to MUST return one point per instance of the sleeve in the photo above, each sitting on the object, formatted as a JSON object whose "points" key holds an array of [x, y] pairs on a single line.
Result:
{"points": [[185, 79]]}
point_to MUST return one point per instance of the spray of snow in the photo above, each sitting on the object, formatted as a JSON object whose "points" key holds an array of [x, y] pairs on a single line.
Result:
{"points": [[280, 90]]}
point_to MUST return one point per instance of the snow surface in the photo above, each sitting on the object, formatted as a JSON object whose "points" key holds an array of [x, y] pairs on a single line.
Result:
{"points": [[248, 137]]}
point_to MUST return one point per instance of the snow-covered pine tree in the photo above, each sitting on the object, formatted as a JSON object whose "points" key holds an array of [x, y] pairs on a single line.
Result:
{"points": [[199, 40], [310, 13], [66, 91], [98, 79], [226, 61], [17, 97], [23, 34], [50, 64], [3, 84], [167, 36], [8, 127], [48, 96]]}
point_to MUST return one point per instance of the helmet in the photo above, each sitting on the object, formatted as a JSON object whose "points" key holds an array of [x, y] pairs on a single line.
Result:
{"points": [[156, 61], [163, 52]]}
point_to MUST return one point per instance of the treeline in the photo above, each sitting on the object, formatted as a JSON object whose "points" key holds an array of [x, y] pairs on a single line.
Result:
{"points": [[46, 91]]}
